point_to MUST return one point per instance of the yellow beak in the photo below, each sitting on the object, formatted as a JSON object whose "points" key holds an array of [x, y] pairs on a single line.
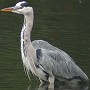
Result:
{"points": [[7, 10]]}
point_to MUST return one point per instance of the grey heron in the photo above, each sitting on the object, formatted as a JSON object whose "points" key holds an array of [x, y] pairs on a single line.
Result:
{"points": [[45, 61]]}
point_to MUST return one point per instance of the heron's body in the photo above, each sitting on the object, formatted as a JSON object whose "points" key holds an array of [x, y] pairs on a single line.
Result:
{"points": [[41, 58]]}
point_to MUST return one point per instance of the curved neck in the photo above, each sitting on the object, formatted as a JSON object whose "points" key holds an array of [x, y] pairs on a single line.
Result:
{"points": [[26, 45], [27, 27], [27, 50]]}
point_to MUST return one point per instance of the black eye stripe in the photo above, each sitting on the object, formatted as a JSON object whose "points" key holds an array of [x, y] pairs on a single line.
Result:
{"points": [[24, 4]]}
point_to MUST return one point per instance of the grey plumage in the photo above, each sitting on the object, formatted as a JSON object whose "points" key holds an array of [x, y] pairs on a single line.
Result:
{"points": [[57, 61]]}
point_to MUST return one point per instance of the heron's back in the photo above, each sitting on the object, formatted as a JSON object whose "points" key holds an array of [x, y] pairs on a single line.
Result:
{"points": [[63, 66]]}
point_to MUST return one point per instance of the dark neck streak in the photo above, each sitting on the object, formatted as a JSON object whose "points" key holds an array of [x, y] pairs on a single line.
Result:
{"points": [[26, 45], [27, 50]]}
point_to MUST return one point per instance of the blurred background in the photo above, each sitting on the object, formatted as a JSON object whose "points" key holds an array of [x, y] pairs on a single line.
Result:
{"points": [[63, 23]]}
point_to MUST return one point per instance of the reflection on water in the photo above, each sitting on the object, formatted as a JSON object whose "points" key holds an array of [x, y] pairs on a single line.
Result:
{"points": [[60, 87]]}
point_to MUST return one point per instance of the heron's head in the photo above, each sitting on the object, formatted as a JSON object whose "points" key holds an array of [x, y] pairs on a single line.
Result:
{"points": [[20, 8]]}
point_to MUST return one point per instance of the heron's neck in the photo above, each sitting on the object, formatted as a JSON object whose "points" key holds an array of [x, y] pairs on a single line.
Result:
{"points": [[27, 27], [27, 50], [26, 45]]}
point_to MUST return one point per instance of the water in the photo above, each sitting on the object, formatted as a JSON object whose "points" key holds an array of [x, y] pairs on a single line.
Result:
{"points": [[65, 24]]}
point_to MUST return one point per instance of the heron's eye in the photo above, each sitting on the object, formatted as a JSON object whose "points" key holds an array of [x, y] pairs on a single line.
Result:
{"points": [[20, 7]]}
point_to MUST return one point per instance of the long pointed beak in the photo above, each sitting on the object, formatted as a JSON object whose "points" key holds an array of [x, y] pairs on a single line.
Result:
{"points": [[10, 9]]}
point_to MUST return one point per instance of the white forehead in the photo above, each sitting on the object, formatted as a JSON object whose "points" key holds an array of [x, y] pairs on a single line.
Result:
{"points": [[19, 3]]}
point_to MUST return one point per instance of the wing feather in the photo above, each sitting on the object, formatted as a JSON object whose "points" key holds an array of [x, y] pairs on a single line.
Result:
{"points": [[57, 61]]}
